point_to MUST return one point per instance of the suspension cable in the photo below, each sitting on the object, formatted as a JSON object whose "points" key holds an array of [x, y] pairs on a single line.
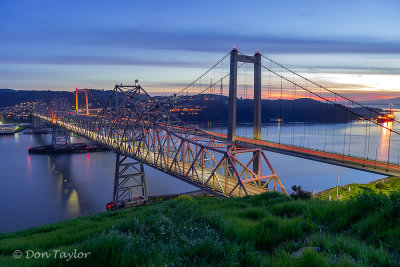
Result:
{"points": [[340, 95], [326, 99], [201, 76], [205, 90]]}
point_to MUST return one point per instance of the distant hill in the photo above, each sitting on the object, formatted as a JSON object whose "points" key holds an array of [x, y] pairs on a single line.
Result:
{"points": [[8, 90], [10, 97], [393, 101], [208, 107], [299, 110]]}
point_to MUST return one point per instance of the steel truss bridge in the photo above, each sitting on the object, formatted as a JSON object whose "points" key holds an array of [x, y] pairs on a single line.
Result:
{"points": [[142, 130]]}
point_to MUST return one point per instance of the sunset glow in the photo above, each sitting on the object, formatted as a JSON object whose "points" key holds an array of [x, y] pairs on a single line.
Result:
{"points": [[166, 55]]}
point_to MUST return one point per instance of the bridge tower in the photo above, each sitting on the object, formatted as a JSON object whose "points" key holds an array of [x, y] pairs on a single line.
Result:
{"points": [[77, 101], [256, 61], [130, 182]]}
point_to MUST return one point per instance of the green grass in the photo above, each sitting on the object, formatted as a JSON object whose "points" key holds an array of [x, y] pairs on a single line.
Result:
{"points": [[384, 186], [263, 230]]}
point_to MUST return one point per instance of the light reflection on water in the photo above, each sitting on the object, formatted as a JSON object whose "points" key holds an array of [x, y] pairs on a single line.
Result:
{"points": [[383, 146], [41, 189], [357, 138]]}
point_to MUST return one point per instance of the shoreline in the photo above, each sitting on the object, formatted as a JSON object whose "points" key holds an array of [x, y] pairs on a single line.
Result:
{"points": [[344, 192]]}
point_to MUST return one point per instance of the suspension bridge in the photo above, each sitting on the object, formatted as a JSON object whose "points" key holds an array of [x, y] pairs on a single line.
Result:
{"points": [[290, 115]]}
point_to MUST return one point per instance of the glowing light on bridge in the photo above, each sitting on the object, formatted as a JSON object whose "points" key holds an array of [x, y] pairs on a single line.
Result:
{"points": [[77, 101]]}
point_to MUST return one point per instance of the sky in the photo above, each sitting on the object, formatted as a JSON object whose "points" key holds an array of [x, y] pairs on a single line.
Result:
{"points": [[352, 46]]}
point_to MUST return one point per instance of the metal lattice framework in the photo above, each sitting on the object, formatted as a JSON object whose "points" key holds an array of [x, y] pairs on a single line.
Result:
{"points": [[130, 183], [135, 125], [60, 136]]}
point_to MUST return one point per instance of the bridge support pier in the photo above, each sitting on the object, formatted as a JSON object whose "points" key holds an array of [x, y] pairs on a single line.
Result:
{"points": [[36, 122], [60, 137], [130, 182]]}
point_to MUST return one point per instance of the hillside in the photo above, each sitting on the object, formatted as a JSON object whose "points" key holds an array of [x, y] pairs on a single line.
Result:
{"points": [[263, 230], [97, 98], [298, 110], [383, 186], [4, 90], [211, 108], [390, 101]]}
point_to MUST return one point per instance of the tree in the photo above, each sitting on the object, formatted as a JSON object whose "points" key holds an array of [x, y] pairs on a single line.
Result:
{"points": [[299, 193]]}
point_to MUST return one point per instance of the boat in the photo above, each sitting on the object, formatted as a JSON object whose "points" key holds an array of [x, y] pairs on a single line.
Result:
{"points": [[8, 129], [72, 148], [386, 117], [37, 131], [279, 120]]}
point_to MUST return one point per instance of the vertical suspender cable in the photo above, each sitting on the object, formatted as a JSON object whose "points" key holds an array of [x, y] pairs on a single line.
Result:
{"points": [[344, 134], [333, 128], [365, 142], [293, 111], [309, 122], [351, 126], [388, 159], [369, 134], [280, 116]]}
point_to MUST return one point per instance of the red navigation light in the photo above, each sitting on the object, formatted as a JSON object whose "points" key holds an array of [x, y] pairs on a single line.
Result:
{"points": [[111, 205], [85, 87], [234, 48], [257, 52]]}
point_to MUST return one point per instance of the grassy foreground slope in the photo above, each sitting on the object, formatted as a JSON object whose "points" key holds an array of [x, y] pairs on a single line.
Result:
{"points": [[383, 186], [252, 231]]}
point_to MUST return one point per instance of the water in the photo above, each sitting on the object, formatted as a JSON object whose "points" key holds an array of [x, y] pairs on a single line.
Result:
{"points": [[357, 138], [41, 189]]}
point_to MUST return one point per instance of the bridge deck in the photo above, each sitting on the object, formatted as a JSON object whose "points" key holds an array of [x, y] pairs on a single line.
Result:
{"points": [[227, 185], [221, 183], [217, 184], [373, 166]]}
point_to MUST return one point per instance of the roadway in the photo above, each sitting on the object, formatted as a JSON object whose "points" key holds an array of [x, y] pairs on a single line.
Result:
{"points": [[206, 179], [353, 162]]}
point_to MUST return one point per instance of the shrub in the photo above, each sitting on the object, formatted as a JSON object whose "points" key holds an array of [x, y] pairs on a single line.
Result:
{"points": [[381, 186], [299, 193]]}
